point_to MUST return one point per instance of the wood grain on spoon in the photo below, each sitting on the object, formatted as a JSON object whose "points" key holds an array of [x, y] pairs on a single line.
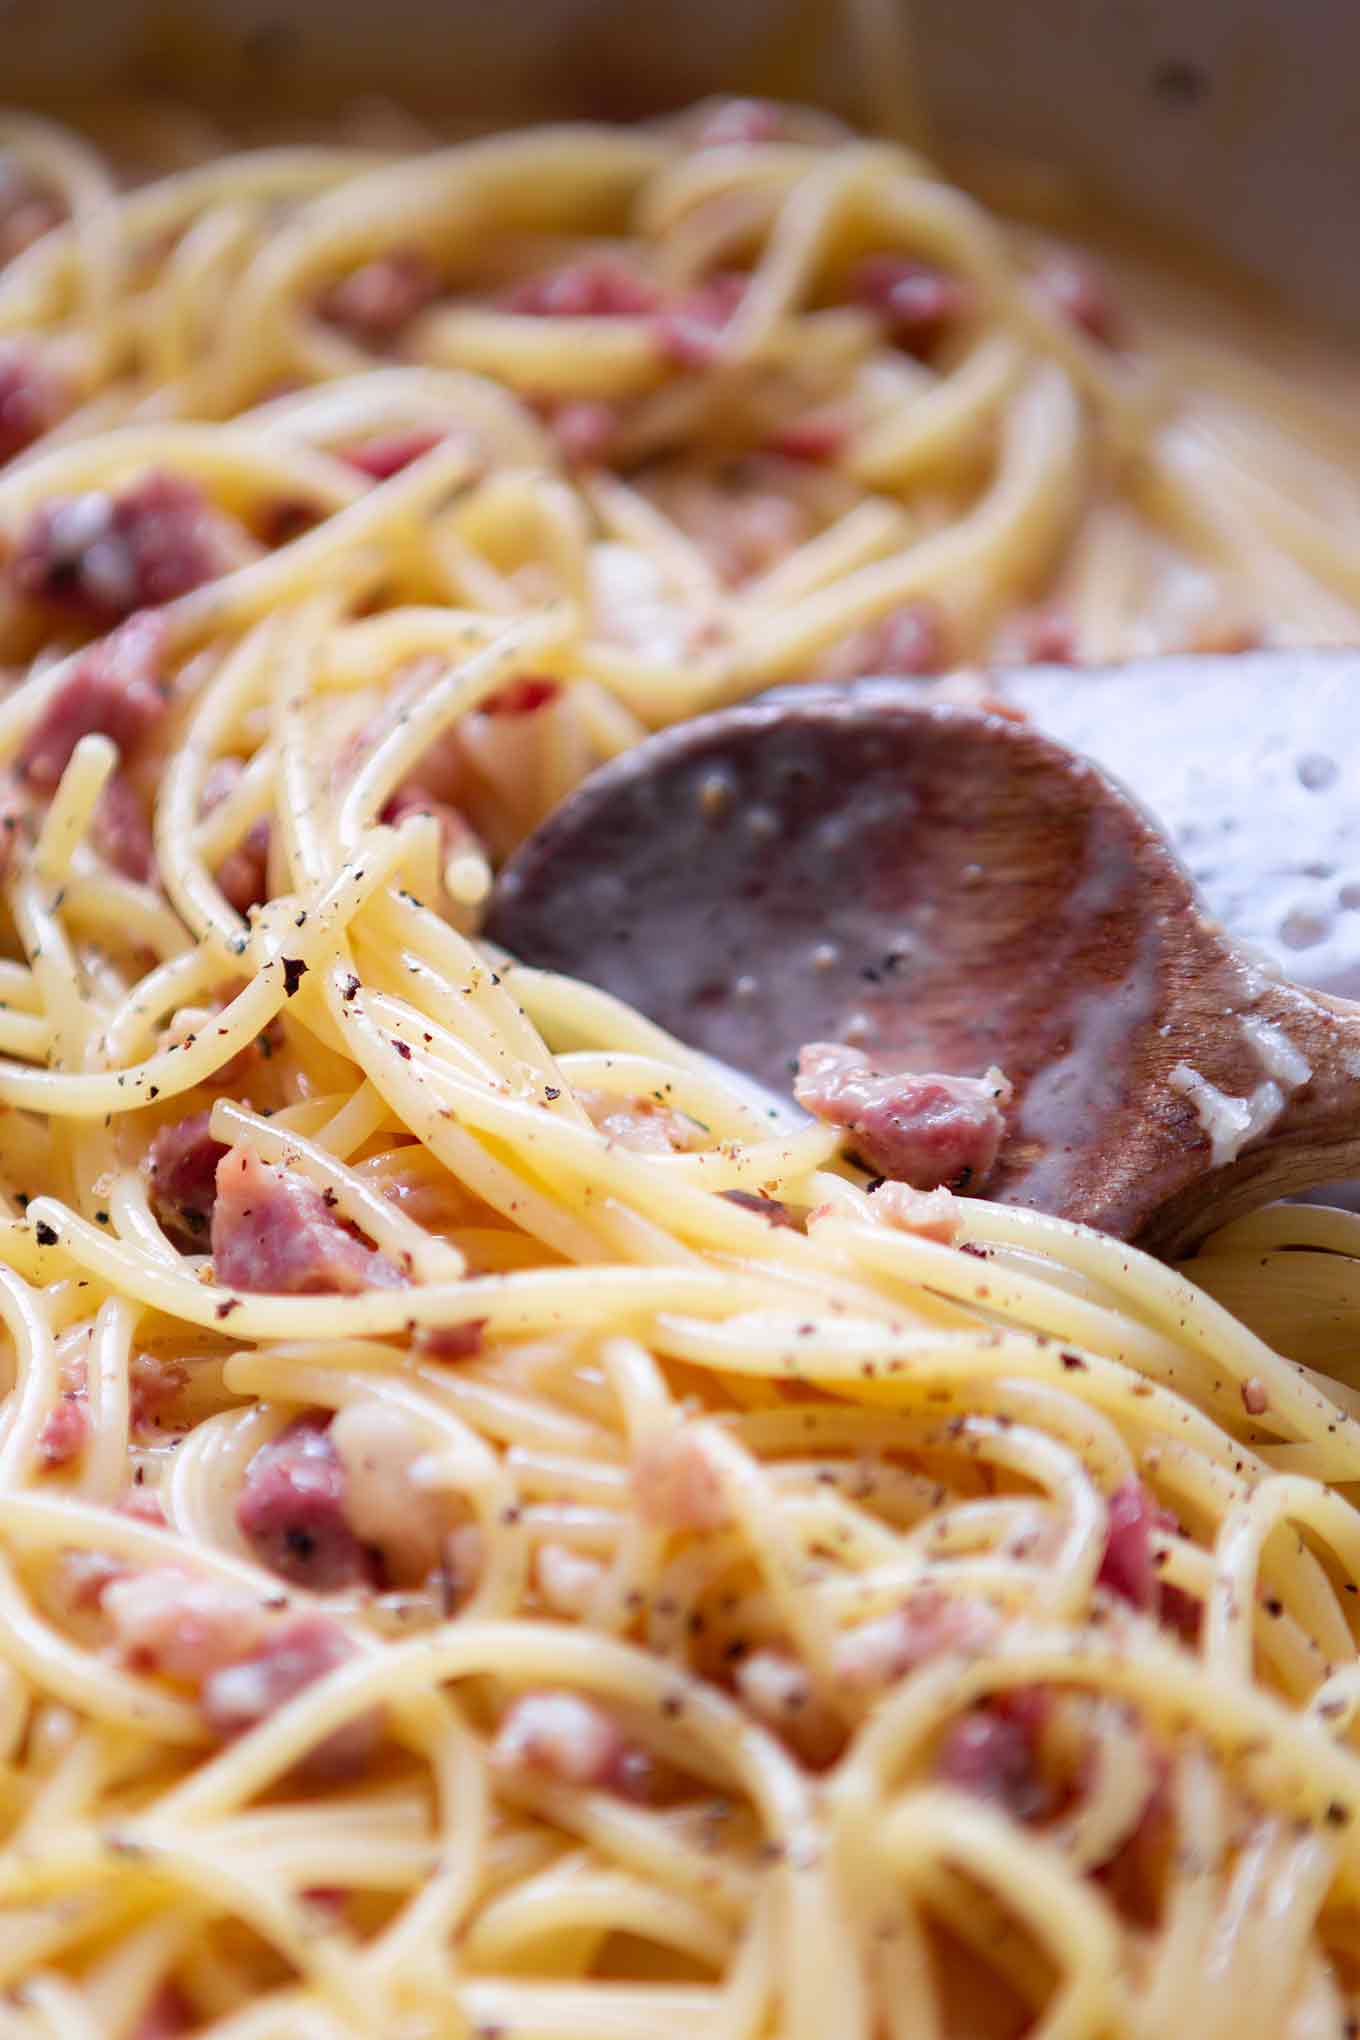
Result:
{"points": [[948, 889]]}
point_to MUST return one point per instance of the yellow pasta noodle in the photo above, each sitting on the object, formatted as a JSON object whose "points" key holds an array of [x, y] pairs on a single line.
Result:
{"points": [[504, 1530]]}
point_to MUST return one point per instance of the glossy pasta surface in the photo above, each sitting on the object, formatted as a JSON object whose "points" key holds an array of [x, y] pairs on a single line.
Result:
{"points": [[503, 1533]]}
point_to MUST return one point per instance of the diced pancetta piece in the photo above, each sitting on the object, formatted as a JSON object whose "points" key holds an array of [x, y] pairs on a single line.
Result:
{"points": [[916, 302], [1078, 289], [817, 437], [676, 1484], [183, 1167], [120, 830], [82, 1576], [330, 1899], [155, 1384], [691, 329], [143, 1504], [32, 397], [439, 1203], [182, 1626], [104, 555], [283, 521], [292, 1510], [222, 778], [878, 1652], [291, 1658], [583, 429], [273, 1231], [1255, 1396], [567, 1580], [929, 1214], [994, 1752], [376, 301], [377, 1450], [387, 453], [461, 1565], [450, 1342], [243, 874], [168, 2016], [524, 696], [640, 1124], [772, 1684], [1042, 637], [596, 287], [116, 688], [929, 1131], [1134, 1876], [908, 643], [776, 1689], [573, 1741], [1128, 1564], [67, 1424]]}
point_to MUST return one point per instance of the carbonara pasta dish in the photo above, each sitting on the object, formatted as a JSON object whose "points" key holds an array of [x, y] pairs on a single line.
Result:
{"points": [[500, 1536]]}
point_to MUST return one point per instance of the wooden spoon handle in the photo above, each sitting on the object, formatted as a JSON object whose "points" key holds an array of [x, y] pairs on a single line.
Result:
{"points": [[1282, 1114]]}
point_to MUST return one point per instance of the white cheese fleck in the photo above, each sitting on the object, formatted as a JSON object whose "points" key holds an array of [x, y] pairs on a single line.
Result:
{"points": [[1232, 1122], [1229, 1122], [1280, 1057], [634, 607]]}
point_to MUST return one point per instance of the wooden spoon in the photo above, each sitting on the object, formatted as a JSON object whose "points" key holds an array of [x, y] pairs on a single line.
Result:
{"points": [[947, 889], [1251, 765]]}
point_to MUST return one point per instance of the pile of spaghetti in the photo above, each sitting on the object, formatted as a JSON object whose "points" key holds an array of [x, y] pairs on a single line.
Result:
{"points": [[499, 1535]]}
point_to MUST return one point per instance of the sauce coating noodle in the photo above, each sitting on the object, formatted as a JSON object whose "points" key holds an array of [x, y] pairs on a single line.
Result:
{"points": [[499, 1534]]}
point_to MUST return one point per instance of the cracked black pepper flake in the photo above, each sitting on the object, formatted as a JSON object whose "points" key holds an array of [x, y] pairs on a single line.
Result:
{"points": [[294, 970], [45, 1234], [225, 1310]]}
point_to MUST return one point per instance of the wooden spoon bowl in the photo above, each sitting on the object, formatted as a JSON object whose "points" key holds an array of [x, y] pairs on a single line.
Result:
{"points": [[947, 889]]}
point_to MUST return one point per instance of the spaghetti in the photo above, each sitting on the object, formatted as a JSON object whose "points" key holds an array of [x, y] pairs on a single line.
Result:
{"points": [[502, 1534]]}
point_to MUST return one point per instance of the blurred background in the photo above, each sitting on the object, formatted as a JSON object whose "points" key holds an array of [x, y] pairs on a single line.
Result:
{"points": [[1235, 121]]}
